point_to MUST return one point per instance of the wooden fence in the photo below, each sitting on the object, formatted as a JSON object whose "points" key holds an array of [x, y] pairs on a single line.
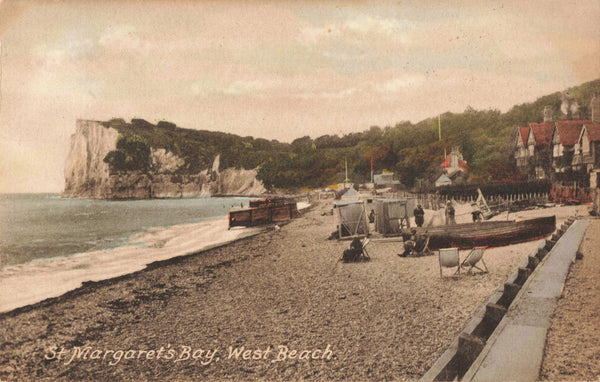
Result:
{"points": [[435, 201]]}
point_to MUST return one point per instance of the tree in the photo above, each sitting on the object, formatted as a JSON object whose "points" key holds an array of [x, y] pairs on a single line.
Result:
{"points": [[132, 154]]}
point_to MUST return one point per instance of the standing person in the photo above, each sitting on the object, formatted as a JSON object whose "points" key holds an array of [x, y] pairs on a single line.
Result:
{"points": [[372, 217], [476, 213], [450, 213], [419, 216]]}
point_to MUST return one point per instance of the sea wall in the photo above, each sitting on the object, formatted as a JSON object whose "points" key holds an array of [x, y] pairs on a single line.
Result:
{"points": [[88, 176]]}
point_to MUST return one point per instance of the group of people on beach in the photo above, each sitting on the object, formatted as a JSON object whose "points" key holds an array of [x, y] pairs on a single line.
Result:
{"points": [[417, 242], [419, 214], [450, 214]]}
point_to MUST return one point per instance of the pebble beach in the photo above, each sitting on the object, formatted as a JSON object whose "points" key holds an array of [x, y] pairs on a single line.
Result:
{"points": [[282, 295]]}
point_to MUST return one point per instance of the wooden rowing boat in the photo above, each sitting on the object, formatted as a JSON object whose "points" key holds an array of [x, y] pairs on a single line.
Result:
{"points": [[486, 234]]}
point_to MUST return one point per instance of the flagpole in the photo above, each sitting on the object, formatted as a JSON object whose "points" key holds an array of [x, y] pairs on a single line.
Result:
{"points": [[346, 162], [440, 133]]}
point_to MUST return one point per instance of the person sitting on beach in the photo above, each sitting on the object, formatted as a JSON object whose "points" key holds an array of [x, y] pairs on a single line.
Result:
{"points": [[353, 253], [410, 244], [419, 216]]}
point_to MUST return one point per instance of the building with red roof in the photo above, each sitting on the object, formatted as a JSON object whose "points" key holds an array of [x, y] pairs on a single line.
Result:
{"points": [[521, 152], [587, 149], [564, 151], [453, 166], [454, 162], [541, 134], [532, 153], [565, 136]]}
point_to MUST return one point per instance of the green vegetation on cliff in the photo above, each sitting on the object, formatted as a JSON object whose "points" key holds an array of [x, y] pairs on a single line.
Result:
{"points": [[132, 154], [198, 148], [413, 151]]}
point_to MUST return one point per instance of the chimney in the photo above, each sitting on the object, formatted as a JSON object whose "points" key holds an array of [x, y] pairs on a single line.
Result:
{"points": [[595, 106], [547, 114]]}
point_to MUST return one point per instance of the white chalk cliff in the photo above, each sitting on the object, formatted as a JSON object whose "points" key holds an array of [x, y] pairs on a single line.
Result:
{"points": [[88, 176]]}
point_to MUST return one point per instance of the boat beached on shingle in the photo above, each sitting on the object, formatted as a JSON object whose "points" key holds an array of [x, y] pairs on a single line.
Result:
{"points": [[486, 234], [263, 211]]}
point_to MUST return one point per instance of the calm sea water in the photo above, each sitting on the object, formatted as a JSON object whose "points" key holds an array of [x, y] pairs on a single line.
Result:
{"points": [[35, 226]]}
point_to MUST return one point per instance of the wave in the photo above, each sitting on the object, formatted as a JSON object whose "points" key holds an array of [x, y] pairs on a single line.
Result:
{"points": [[28, 283]]}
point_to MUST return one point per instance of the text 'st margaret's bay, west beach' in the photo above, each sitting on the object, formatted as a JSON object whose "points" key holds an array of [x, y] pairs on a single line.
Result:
{"points": [[314, 191]]}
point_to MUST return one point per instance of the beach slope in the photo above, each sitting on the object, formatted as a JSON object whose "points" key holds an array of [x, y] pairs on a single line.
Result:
{"points": [[282, 294]]}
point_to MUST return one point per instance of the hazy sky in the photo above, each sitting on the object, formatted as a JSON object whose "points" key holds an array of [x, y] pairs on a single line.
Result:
{"points": [[276, 70]]}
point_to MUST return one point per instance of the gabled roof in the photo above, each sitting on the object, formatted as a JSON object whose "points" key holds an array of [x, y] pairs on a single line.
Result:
{"points": [[461, 163], [524, 134], [443, 179], [350, 192], [455, 175], [592, 130], [542, 133], [569, 130]]}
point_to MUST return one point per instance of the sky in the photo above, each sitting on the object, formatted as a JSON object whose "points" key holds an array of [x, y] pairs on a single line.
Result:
{"points": [[272, 69]]}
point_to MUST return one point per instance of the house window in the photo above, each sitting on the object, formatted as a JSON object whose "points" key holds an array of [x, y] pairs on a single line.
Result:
{"points": [[556, 150], [539, 173]]}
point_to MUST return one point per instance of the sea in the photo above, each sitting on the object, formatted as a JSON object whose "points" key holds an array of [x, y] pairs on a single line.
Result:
{"points": [[40, 226]]}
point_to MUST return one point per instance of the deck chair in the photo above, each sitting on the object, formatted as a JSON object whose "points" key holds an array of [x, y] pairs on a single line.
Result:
{"points": [[365, 242], [357, 251], [473, 258], [449, 258]]}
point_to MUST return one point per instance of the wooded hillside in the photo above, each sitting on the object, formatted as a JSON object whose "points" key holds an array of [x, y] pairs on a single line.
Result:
{"points": [[413, 151]]}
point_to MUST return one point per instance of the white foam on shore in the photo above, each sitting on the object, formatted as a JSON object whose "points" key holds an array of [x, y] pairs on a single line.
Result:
{"points": [[25, 284], [302, 205]]}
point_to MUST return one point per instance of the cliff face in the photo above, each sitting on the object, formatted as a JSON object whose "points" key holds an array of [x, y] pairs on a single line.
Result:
{"points": [[88, 176]]}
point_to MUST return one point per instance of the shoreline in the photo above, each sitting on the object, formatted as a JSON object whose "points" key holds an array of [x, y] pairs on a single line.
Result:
{"points": [[35, 281], [194, 196], [29, 283], [90, 286]]}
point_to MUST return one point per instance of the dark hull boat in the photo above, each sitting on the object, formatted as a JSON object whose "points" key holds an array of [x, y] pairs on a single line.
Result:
{"points": [[263, 211], [487, 234]]}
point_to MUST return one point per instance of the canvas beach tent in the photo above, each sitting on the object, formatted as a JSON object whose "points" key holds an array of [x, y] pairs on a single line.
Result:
{"points": [[391, 215], [352, 218], [350, 193]]}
